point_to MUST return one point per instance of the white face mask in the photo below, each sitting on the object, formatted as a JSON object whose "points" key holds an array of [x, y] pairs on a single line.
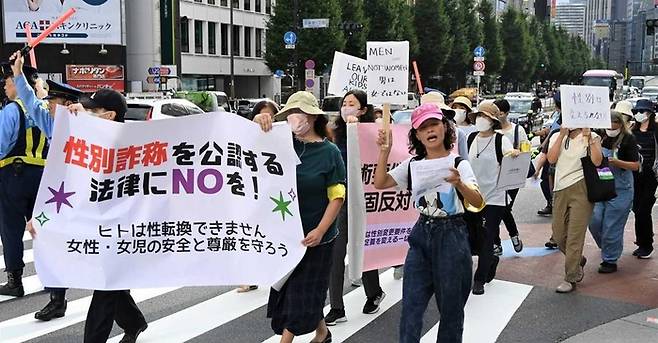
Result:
{"points": [[347, 111], [641, 117], [483, 124], [299, 124], [612, 133], [460, 116]]}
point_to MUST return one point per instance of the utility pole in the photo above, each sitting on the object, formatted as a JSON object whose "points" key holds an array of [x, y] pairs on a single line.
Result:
{"points": [[231, 50], [295, 16]]}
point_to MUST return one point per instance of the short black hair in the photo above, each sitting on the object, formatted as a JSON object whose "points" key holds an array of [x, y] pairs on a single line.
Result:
{"points": [[262, 104], [503, 105]]}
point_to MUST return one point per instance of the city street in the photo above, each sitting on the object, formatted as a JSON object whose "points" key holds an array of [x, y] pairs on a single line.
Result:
{"points": [[520, 306]]}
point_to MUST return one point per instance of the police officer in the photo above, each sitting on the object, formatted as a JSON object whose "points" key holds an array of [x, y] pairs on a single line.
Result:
{"points": [[23, 150], [42, 114]]}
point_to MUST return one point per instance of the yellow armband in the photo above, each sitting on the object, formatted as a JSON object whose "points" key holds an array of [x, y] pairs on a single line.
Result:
{"points": [[468, 206], [336, 191]]}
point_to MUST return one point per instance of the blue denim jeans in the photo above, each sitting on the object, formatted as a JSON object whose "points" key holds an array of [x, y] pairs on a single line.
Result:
{"points": [[609, 217], [438, 263]]}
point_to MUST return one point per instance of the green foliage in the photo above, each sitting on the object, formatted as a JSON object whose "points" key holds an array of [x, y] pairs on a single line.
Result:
{"points": [[434, 42]]}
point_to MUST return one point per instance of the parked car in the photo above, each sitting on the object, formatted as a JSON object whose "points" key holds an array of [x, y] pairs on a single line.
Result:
{"points": [[156, 109], [331, 106], [208, 101], [245, 106], [650, 92], [522, 112]]}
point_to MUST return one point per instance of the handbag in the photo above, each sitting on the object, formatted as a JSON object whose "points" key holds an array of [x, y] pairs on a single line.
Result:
{"points": [[599, 180]]}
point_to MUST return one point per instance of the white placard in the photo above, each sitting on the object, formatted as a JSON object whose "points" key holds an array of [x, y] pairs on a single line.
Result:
{"points": [[513, 172], [147, 204], [429, 176], [388, 72], [585, 106], [91, 23], [347, 73]]}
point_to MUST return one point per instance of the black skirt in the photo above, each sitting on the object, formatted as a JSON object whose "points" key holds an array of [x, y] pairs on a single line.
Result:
{"points": [[298, 306]]}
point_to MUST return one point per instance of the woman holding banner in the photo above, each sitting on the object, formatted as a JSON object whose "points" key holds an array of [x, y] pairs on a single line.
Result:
{"points": [[296, 308], [439, 259], [572, 210], [355, 109]]}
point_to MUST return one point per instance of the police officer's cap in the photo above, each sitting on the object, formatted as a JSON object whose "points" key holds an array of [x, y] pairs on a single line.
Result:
{"points": [[62, 90]]}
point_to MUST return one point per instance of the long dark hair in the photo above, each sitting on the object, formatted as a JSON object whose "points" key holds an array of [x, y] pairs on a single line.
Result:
{"points": [[417, 148], [368, 117], [320, 125], [652, 123]]}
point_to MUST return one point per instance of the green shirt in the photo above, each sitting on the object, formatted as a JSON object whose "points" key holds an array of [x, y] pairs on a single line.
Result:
{"points": [[321, 168]]}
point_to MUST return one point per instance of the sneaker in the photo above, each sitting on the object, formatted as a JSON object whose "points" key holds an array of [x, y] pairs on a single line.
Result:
{"points": [[546, 211], [637, 252], [644, 253], [607, 268], [372, 304], [335, 316], [398, 272], [498, 250], [565, 287], [517, 243], [132, 338], [551, 244], [357, 282], [478, 288]]}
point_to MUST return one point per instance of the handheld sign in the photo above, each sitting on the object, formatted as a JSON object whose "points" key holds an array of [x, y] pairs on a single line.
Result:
{"points": [[388, 72], [347, 73], [585, 107]]}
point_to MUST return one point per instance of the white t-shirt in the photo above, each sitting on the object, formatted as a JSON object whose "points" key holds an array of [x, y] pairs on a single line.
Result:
{"points": [[509, 133], [569, 168], [436, 204], [486, 167]]}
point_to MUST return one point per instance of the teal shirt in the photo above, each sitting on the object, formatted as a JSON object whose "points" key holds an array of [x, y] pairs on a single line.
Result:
{"points": [[321, 167]]}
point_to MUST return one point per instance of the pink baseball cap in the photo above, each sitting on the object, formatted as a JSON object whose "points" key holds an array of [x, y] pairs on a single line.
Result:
{"points": [[424, 112]]}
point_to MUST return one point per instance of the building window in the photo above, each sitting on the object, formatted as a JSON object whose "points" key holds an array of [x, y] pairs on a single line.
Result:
{"points": [[212, 38], [247, 41], [258, 7], [236, 4], [198, 1], [224, 39], [223, 3], [235, 40], [268, 6], [185, 34], [259, 42], [198, 36], [211, 2], [247, 5]]}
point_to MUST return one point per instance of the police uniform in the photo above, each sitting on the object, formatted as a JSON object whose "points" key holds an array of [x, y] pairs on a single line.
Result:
{"points": [[23, 150], [39, 114]]}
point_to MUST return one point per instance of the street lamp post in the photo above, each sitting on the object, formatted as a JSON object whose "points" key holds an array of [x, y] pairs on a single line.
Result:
{"points": [[231, 50]]}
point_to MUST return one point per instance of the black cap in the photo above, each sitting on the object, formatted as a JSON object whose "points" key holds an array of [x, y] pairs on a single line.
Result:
{"points": [[31, 74], [108, 99], [62, 90]]}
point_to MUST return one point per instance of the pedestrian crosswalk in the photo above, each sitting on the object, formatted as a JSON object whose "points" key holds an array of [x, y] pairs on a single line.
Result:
{"points": [[218, 307]]}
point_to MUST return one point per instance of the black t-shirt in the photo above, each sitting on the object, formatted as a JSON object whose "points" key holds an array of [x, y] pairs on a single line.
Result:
{"points": [[647, 143], [627, 149]]}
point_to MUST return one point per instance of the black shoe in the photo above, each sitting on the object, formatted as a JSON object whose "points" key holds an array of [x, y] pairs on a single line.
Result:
{"points": [[372, 304], [607, 268], [14, 285], [327, 338], [551, 244], [644, 253], [132, 338], [334, 317], [546, 211], [498, 250], [56, 308], [637, 252], [478, 288]]}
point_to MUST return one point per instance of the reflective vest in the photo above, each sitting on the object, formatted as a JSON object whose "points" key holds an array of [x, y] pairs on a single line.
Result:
{"points": [[31, 146]]}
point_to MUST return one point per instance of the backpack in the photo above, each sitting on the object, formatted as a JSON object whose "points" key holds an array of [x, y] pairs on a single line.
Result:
{"points": [[498, 143]]}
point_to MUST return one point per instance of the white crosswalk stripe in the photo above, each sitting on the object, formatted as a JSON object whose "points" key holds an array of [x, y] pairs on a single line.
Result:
{"points": [[31, 285], [28, 257]]}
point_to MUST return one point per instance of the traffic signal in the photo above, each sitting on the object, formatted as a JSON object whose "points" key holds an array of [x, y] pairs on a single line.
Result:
{"points": [[651, 25]]}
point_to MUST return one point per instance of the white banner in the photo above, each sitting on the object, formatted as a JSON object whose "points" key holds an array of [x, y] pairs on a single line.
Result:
{"points": [[585, 106], [95, 21], [202, 200], [388, 72], [347, 73]]}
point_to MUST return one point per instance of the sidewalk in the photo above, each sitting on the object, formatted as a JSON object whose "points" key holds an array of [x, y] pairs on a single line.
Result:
{"points": [[638, 328]]}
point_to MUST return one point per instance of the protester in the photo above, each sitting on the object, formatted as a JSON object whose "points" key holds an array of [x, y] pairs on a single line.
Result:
{"points": [[486, 150], [296, 308], [646, 134], [609, 217], [439, 261], [625, 107], [437, 99], [354, 109], [516, 134], [572, 210], [464, 115]]}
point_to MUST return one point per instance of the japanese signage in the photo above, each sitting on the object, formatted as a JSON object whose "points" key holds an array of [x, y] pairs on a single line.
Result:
{"points": [[388, 72], [90, 78], [585, 106], [379, 220], [94, 22], [347, 73], [167, 203]]}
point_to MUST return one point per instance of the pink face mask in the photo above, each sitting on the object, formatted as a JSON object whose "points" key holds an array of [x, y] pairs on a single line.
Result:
{"points": [[299, 124], [347, 111]]}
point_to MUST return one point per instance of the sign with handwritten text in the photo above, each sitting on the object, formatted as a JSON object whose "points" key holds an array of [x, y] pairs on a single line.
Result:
{"points": [[585, 106], [388, 72], [347, 73]]}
